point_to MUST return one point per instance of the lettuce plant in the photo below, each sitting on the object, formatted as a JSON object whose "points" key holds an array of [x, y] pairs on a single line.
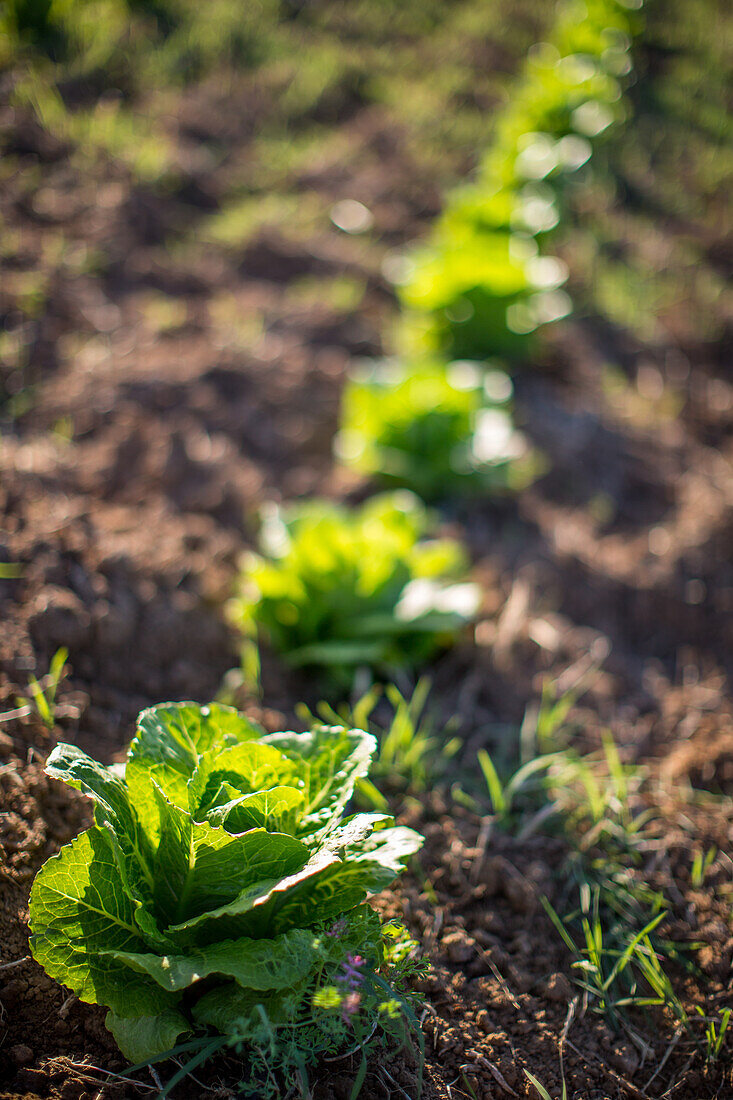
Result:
{"points": [[476, 293], [336, 588], [437, 429], [484, 281], [221, 887]]}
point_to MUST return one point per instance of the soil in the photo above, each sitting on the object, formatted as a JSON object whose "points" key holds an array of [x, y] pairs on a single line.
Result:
{"points": [[128, 491]]}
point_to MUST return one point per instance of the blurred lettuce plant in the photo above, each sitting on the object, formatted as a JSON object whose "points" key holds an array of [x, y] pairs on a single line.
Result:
{"points": [[484, 283], [335, 589], [438, 429], [475, 294]]}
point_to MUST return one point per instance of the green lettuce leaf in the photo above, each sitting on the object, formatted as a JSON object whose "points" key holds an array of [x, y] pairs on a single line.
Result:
{"points": [[143, 1037], [226, 1006], [324, 889], [275, 809], [330, 759], [177, 734], [199, 867], [257, 964], [388, 848], [171, 739], [78, 908], [112, 798], [249, 767]]}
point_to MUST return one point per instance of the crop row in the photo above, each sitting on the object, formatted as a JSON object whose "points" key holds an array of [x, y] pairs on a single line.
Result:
{"points": [[335, 588], [221, 891]]}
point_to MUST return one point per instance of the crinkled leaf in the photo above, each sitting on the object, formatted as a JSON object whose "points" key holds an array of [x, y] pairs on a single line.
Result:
{"points": [[256, 964], [199, 867], [248, 767], [143, 1037], [139, 890], [78, 907], [348, 838], [226, 1006], [389, 848], [330, 760], [227, 922], [177, 734], [111, 795], [324, 889], [141, 778], [275, 809], [171, 738]]}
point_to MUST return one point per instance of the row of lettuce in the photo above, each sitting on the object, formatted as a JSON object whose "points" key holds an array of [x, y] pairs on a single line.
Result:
{"points": [[219, 900], [335, 588]]}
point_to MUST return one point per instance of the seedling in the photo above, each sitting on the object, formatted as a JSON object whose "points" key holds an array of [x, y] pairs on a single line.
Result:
{"points": [[42, 695], [541, 1090], [595, 802], [701, 864], [715, 1031], [618, 966], [222, 887]]}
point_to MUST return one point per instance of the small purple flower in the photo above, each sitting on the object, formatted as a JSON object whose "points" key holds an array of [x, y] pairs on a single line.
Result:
{"points": [[352, 975], [337, 930], [349, 1006]]}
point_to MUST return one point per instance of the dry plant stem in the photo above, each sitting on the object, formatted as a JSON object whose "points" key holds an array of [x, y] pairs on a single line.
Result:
{"points": [[83, 1070], [15, 962], [632, 1090], [680, 1080], [19, 712], [565, 1031], [645, 1050], [399, 1088], [496, 1074], [505, 988], [432, 936], [668, 1051], [482, 842]]}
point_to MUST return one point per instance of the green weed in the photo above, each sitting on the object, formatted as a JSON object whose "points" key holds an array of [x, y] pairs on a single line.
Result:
{"points": [[542, 1091], [595, 803], [411, 755], [715, 1031], [42, 693], [701, 863]]}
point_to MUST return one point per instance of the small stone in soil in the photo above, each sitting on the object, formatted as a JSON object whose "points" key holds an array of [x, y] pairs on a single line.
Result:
{"points": [[459, 947], [21, 1055], [557, 988]]}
